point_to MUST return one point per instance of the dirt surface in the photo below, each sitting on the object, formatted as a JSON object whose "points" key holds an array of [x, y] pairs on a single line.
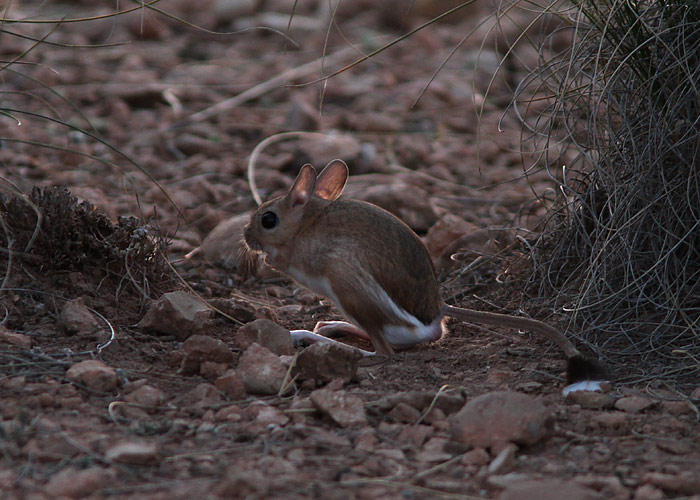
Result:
{"points": [[127, 122]]}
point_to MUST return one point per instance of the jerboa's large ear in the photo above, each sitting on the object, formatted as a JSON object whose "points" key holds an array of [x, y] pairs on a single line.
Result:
{"points": [[331, 180], [303, 187]]}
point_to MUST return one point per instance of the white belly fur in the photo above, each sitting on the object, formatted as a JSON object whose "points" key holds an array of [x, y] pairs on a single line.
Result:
{"points": [[399, 336]]}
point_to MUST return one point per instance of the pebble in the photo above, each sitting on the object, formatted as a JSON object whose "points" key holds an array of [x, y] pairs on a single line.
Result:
{"points": [[496, 418], [261, 371], [591, 400], [236, 308], [200, 348], [445, 401], [326, 361], [610, 487], [231, 384], [237, 483], [476, 456], [224, 246], [405, 413], [415, 435], [179, 314], [266, 333], [134, 453], [648, 492], [266, 414], [71, 482], [634, 404], [94, 375], [202, 395], [346, 410], [548, 489], [446, 230], [76, 318], [686, 482], [612, 420], [434, 450], [675, 446], [15, 339], [146, 395]]}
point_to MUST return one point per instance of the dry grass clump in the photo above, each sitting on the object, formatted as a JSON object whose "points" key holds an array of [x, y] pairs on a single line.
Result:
{"points": [[622, 248], [51, 231]]}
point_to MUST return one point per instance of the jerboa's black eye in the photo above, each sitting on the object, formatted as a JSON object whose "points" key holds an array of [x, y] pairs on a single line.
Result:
{"points": [[269, 220]]}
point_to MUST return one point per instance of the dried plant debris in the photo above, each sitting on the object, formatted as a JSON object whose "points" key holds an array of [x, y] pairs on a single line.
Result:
{"points": [[622, 248], [52, 231]]}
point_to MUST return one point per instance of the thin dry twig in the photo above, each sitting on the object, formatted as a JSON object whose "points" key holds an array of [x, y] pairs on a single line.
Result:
{"points": [[263, 88]]}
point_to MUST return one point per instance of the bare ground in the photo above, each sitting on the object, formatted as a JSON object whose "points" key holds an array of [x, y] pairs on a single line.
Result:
{"points": [[58, 437]]}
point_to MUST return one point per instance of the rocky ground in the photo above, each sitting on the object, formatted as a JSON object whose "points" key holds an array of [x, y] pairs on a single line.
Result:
{"points": [[118, 382]]}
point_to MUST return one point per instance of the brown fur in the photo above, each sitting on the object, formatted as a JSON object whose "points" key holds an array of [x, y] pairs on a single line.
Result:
{"points": [[358, 251]]}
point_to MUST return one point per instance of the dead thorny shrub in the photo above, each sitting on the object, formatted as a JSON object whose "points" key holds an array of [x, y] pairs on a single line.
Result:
{"points": [[52, 231], [621, 249]]}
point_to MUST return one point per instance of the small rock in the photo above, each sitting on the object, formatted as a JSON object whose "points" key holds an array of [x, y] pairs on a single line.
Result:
{"points": [[415, 435], [200, 348], [326, 361], [434, 450], [437, 418], [227, 11], [301, 115], [675, 446], [202, 395], [191, 144], [446, 230], [375, 122], [447, 402], [346, 410], [15, 339], [146, 395], [320, 151], [404, 413], [409, 203], [224, 246], [267, 334], [610, 487], [496, 418], [634, 404], [477, 456], [239, 483], [366, 440], [548, 489], [94, 375], [212, 370], [648, 492], [686, 482], [147, 25], [229, 414], [231, 384], [612, 420], [510, 480], [76, 483], [134, 453], [178, 314], [266, 414], [76, 318], [236, 308], [591, 400], [678, 407], [261, 371]]}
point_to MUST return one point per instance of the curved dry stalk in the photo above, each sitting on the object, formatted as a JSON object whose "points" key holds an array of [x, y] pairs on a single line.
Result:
{"points": [[283, 136]]}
